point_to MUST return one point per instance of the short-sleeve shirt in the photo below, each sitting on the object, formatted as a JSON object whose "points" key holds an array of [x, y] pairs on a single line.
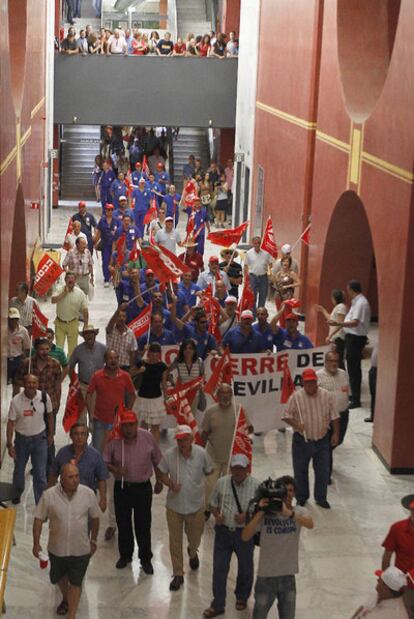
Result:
{"points": [[223, 499], [316, 411], [139, 456], [338, 310], [89, 360], [166, 338], [73, 302], [17, 342], [240, 343], [68, 519], [108, 230], [165, 47], [56, 352], [400, 539], [110, 391], [257, 262], [67, 45], [361, 311], [49, 377], [92, 468], [28, 414], [189, 472], [266, 335], [151, 380], [168, 239], [124, 342], [219, 423], [338, 385], [279, 538], [284, 341]]}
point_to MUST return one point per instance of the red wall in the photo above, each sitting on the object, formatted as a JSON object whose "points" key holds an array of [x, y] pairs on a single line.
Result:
{"points": [[307, 171], [22, 65]]}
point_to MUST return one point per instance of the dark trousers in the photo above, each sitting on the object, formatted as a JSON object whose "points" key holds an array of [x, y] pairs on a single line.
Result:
{"points": [[225, 543], [340, 349], [70, 5], [343, 425], [136, 500], [354, 345], [302, 453], [13, 364], [106, 258], [372, 381]]}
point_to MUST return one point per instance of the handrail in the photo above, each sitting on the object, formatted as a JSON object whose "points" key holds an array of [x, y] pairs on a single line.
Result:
{"points": [[172, 19], [7, 522]]}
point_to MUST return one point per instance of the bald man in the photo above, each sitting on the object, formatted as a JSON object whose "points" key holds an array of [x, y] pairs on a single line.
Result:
{"points": [[69, 507]]}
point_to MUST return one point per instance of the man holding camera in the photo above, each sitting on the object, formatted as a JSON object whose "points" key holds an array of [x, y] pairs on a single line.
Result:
{"points": [[311, 412], [229, 502], [280, 524]]}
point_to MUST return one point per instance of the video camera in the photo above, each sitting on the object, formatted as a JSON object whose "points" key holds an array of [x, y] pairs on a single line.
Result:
{"points": [[275, 491]]}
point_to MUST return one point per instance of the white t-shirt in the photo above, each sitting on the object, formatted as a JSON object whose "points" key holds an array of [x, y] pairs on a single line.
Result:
{"points": [[338, 310], [257, 262], [361, 311], [71, 239], [27, 414], [117, 46]]}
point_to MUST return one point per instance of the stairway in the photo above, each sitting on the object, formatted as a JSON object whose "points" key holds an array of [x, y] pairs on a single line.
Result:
{"points": [[80, 144], [191, 141], [192, 17]]}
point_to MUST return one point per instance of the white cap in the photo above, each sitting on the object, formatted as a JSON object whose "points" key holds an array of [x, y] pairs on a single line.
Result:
{"points": [[394, 578], [182, 431], [169, 218], [239, 460], [247, 314], [122, 198], [286, 248], [230, 299], [14, 312]]}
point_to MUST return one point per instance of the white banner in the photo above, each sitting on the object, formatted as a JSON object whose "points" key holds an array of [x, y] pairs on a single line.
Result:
{"points": [[257, 380]]}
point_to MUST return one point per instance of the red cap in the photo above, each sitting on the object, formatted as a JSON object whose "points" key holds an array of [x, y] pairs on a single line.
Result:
{"points": [[160, 165], [149, 272], [109, 206], [213, 259], [138, 164], [309, 375], [292, 316], [128, 417], [82, 204]]}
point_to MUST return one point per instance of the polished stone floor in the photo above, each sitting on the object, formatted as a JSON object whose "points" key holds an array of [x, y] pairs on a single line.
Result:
{"points": [[337, 558]]}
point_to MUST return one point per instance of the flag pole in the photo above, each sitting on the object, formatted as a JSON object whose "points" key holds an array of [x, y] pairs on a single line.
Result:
{"points": [[30, 352], [140, 294], [299, 239], [122, 463], [301, 420], [236, 421]]}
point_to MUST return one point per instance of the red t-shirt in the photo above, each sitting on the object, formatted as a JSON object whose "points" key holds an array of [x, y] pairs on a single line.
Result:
{"points": [[110, 391], [179, 49], [203, 49], [400, 539]]}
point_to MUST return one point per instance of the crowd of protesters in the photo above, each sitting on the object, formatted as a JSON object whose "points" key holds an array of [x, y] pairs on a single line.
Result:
{"points": [[132, 42]]}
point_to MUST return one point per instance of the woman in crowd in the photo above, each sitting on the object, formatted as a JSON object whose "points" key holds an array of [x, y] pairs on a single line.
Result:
{"points": [[153, 42], [186, 367], [221, 201], [179, 48], [139, 45], [285, 281], [188, 38], [150, 401], [336, 335], [204, 47], [96, 175], [191, 48]]}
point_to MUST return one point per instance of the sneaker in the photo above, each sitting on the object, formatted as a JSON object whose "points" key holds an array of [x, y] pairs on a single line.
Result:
{"points": [[176, 583]]}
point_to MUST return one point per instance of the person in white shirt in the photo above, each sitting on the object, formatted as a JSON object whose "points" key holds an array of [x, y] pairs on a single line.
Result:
{"points": [[24, 303], [389, 603], [256, 266], [117, 44], [76, 233], [335, 380], [27, 421], [355, 325], [168, 237]]}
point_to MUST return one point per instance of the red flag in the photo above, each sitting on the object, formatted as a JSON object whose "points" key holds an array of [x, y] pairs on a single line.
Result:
{"points": [[222, 373], [291, 304], [305, 236], [190, 225], [288, 386], [39, 322], [145, 166], [268, 241], [164, 263], [141, 323], [135, 251], [199, 229], [179, 406], [47, 273], [226, 238], [213, 326], [247, 298], [69, 230], [152, 212], [241, 442], [120, 249], [115, 433], [74, 403]]}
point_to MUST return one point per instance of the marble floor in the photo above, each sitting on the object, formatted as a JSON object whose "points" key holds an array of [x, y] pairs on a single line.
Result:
{"points": [[337, 558]]}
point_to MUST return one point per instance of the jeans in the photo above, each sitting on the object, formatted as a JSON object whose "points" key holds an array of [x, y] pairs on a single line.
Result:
{"points": [[136, 500], [354, 345], [268, 589], [13, 364], [225, 543], [97, 5], [34, 447], [99, 433], [77, 7], [259, 286], [302, 453], [70, 5]]}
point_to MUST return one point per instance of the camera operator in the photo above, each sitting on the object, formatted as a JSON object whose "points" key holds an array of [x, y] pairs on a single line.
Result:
{"points": [[280, 524]]}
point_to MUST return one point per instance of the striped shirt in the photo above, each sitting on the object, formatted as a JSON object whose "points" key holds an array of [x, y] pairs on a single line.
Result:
{"points": [[139, 455], [336, 384], [78, 262], [25, 308], [123, 342], [245, 493], [316, 412]]}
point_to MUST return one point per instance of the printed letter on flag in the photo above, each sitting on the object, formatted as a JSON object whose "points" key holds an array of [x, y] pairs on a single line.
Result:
{"points": [[268, 241], [47, 273], [164, 263], [242, 443], [39, 322], [141, 323]]}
